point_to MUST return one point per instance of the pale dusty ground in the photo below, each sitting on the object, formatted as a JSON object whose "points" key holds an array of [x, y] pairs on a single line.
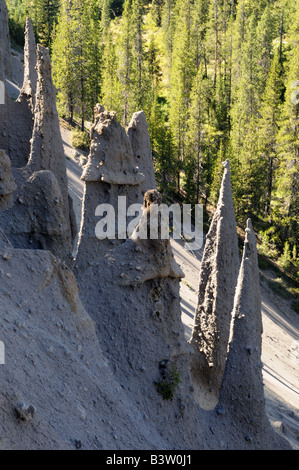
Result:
{"points": [[280, 353]]}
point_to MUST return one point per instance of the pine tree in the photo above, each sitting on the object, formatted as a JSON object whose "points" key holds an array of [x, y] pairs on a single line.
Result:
{"points": [[199, 27], [63, 58], [244, 115], [286, 198], [198, 164], [105, 19], [111, 89], [163, 149], [182, 73], [76, 60], [168, 27], [268, 128], [266, 31], [44, 15], [130, 58], [17, 20]]}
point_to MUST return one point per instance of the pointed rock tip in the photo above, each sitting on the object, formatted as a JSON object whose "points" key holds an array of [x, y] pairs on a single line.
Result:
{"points": [[29, 31], [138, 116], [28, 23], [226, 164], [249, 225], [225, 194], [42, 53], [250, 240]]}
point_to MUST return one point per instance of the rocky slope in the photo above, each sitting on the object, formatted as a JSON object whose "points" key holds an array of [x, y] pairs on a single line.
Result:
{"points": [[96, 355]]}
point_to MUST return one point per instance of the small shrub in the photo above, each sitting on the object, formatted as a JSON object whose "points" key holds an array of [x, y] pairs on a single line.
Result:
{"points": [[285, 259], [167, 386], [80, 139], [267, 248]]}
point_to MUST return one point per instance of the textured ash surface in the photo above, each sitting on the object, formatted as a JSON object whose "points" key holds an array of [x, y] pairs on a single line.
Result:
{"points": [[84, 355]]}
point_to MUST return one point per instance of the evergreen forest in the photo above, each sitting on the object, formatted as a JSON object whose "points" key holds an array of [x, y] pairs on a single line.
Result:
{"points": [[217, 80]]}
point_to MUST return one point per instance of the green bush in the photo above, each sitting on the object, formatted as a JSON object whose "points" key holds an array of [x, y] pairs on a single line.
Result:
{"points": [[267, 248], [285, 259], [166, 387], [80, 139]]}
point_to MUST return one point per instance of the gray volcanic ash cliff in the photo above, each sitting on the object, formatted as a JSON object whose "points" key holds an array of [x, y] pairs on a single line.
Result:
{"points": [[95, 349], [42, 214]]}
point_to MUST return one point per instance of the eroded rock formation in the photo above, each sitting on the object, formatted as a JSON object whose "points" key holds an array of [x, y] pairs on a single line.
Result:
{"points": [[58, 391], [242, 384], [217, 283], [100, 361], [42, 215], [30, 61], [4, 110], [15, 133], [36, 220], [132, 294], [142, 151], [110, 173], [46, 144]]}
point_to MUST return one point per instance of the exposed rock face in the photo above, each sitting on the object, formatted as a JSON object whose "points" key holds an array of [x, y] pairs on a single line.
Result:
{"points": [[217, 283], [132, 294], [36, 220], [46, 145], [55, 380], [30, 61], [15, 134], [111, 158], [7, 183], [58, 382], [110, 172], [4, 39], [4, 242], [42, 215], [4, 110], [160, 261], [242, 392], [142, 151]]}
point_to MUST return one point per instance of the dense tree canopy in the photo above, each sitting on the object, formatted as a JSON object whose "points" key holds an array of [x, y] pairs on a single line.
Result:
{"points": [[216, 79]]}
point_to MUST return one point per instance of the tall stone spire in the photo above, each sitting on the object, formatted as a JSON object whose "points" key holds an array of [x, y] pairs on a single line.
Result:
{"points": [[16, 117], [47, 151], [47, 147], [242, 392], [217, 283], [30, 59], [4, 105]]}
